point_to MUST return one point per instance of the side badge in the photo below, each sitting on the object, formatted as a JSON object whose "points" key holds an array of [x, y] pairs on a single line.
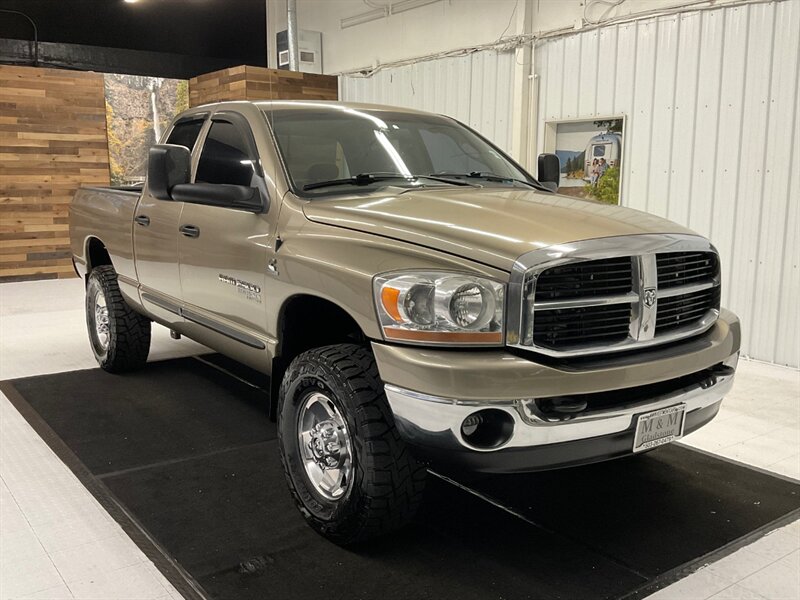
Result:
{"points": [[251, 291]]}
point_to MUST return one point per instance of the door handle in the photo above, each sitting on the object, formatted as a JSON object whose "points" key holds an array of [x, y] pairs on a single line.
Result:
{"points": [[142, 220], [191, 231]]}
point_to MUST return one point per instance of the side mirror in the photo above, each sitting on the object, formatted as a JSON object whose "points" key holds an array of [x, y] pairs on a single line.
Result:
{"points": [[221, 194], [168, 165], [549, 173]]}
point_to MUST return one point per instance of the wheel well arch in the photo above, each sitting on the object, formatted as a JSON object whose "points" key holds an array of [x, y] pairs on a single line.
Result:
{"points": [[96, 254], [306, 321]]}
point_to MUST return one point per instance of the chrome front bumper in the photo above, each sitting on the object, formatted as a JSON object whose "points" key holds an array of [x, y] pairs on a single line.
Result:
{"points": [[436, 423]]}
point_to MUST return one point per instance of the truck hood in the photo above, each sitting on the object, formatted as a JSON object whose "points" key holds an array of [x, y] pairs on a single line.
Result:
{"points": [[493, 226]]}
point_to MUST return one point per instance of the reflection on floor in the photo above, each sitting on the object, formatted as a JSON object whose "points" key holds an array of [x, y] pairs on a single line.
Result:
{"points": [[58, 543]]}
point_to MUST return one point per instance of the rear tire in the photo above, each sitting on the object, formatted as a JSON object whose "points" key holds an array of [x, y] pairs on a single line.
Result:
{"points": [[332, 400], [119, 336]]}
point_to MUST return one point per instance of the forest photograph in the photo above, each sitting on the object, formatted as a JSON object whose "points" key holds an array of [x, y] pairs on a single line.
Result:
{"points": [[138, 110]]}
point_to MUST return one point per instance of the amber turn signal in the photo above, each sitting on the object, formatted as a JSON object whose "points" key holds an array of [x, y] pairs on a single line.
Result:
{"points": [[389, 299]]}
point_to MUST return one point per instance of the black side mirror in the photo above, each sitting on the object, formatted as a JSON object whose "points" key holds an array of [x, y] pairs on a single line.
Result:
{"points": [[221, 194], [168, 165], [549, 173]]}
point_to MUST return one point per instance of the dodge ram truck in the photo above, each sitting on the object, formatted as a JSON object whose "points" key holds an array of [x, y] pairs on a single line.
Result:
{"points": [[416, 297]]}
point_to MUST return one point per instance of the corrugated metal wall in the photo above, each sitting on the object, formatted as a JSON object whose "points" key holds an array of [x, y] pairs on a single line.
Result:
{"points": [[476, 89], [712, 141]]}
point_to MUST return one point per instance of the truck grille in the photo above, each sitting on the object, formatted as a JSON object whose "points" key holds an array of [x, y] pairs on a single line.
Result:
{"points": [[590, 324], [586, 279], [580, 306], [683, 268], [686, 309]]}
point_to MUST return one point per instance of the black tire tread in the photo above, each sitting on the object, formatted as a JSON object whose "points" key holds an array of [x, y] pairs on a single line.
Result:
{"points": [[130, 331], [392, 486]]}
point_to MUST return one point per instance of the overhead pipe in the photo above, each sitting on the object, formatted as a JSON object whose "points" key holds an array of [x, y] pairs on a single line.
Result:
{"points": [[35, 33], [291, 31]]}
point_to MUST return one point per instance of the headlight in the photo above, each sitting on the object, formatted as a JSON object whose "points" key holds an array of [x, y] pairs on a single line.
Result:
{"points": [[440, 308]]}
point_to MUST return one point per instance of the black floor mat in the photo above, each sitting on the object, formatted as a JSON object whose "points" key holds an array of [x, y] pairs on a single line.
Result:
{"points": [[185, 458]]}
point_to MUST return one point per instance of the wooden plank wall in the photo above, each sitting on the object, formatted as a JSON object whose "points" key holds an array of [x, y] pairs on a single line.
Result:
{"points": [[52, 141], [258, 83]]}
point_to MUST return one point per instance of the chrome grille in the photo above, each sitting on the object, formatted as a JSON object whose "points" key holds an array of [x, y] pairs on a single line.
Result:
{"points": [[679, 311], [684, 268], [595, 324], [585, 279], [613, 294]]}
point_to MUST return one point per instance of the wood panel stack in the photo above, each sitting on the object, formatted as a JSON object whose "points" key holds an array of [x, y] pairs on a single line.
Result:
{"points": [[52, 141], [258, 83]]}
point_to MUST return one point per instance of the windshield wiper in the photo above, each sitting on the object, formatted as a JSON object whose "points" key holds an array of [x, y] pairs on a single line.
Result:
{"points": [[444, 180], [491, 177], [368, 178]]}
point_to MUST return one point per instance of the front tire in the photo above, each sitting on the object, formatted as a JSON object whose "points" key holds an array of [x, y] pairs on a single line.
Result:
{"points": [[349, 472], [119, 336]]}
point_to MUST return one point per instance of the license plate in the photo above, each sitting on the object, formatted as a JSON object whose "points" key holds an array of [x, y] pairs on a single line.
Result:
{"points": [[658, 427]]}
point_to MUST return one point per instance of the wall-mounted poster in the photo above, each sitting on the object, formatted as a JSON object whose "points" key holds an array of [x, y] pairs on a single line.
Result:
{"points": [[138, 109], [590, 153]]}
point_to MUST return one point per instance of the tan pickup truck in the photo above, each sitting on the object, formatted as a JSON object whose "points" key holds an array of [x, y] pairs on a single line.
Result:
{"points": [[415, 295]]}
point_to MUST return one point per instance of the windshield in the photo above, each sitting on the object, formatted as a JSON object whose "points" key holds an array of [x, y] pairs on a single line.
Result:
{"points": [[337, 143]]}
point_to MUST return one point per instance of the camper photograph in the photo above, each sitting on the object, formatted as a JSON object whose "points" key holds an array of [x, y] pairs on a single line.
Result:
{"points": [[590, 156]]}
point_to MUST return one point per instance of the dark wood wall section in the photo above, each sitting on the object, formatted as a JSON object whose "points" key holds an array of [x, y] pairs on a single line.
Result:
{"points": [[258, 83], [52, 141]]}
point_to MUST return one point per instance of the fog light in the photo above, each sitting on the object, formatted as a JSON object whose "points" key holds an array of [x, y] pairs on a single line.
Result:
{"points": [[470, 424], [487, 428]]}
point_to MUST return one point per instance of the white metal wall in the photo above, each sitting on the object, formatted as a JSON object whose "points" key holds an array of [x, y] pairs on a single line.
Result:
{"points": [[712, 141], [476, 89]]}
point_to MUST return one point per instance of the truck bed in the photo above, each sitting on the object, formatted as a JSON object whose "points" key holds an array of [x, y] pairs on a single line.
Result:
{"points": [[109, 210]]}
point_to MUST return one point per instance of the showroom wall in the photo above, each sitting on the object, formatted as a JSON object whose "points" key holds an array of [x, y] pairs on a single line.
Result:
{"points": [[434, 26], [246, 82], [52, 141], [476, 89], [358, 34]]}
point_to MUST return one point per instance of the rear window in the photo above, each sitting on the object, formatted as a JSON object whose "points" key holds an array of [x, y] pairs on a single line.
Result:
{"points": [[185, 133]]}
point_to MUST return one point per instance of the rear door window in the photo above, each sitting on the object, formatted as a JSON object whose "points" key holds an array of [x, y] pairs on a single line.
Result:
{"points": [[185, 133]]}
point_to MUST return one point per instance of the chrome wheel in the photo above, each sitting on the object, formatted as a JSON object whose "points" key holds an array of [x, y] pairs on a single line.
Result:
{"points": [[100, 317], [325, 446]]}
